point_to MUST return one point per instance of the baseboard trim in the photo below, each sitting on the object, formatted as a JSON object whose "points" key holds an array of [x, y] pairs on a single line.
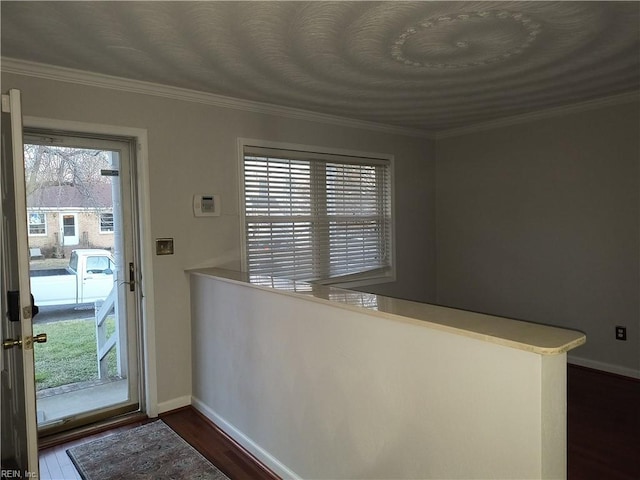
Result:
{"points": [[244, 441], [174, 404], [605, 367]]}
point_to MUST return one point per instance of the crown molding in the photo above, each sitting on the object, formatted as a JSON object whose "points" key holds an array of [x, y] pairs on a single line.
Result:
{"points": [[541, 115], [81, 77]]}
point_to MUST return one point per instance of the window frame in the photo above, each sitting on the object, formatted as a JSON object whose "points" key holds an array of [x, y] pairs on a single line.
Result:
{"points": [[44, 223], [376, 276]]}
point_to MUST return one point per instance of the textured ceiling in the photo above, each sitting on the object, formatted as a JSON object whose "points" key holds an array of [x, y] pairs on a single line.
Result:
{"points": [[427, 65]]}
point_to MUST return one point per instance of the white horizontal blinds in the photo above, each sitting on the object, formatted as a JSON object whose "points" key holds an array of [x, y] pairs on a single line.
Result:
{"points": [[278, 216], [315, 216], [358, 219]]}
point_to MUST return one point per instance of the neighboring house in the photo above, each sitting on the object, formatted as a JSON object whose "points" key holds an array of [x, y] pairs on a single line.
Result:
{"points": [[64, 217]]}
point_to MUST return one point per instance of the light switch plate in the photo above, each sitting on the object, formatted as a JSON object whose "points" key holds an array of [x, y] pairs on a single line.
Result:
{"points": [[164, 246]]}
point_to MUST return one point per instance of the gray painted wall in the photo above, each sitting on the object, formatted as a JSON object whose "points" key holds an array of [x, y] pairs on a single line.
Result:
{"points": [[540, 222], [193, 149]]}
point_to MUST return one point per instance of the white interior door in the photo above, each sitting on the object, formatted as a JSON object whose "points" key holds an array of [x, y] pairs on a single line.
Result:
{"points": [[19, 428]]}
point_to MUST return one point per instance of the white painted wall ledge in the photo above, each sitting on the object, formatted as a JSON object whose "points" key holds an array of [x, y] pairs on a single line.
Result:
{"points": [[531, 337], [324, 383]]}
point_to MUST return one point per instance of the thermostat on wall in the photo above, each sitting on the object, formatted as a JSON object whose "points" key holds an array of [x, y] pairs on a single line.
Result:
{"points": [[205, 205]]}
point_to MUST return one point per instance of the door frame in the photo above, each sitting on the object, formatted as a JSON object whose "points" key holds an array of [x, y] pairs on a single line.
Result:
{"points": [[120, 153], [142, 213]]}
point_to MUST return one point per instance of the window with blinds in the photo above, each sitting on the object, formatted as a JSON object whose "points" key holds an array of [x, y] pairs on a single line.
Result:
{"points": [[316, 216]]}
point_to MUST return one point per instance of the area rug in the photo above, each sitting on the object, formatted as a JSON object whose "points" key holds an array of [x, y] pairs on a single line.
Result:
{"points": [[151, 451]]}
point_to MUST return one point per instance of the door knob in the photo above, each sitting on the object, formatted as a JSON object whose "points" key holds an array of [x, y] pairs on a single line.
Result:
{"points": [[40, 338], [10, 342]]}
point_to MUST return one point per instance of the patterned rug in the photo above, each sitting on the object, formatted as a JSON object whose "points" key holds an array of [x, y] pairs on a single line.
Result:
{"points": [[151, 451]]}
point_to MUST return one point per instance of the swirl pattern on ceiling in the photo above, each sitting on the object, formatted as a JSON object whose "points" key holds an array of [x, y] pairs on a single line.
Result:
{"points": [[426, 65], [465, 40]]}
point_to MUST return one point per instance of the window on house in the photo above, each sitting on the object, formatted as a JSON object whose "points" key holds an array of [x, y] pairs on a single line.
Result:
{"points": [[317, 216], [106, 223], [37, 224]]}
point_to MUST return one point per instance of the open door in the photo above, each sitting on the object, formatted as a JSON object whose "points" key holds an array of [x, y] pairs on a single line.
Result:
{"points": [[19, 448]]}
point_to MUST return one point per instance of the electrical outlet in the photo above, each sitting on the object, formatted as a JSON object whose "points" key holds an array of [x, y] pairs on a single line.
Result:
{"points": [[621, 333]]}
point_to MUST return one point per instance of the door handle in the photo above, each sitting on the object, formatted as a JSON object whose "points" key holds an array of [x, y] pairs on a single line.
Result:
{"points": [[10, 342], [40, 338], [132, 278]]}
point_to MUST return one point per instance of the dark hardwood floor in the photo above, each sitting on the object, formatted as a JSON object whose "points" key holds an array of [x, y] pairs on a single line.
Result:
{"points": [[216, 446], [603, 434], [603, 419], [204, 436]]}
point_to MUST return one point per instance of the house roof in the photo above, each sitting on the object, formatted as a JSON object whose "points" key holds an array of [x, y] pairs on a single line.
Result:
{"points": [[71, 196]]}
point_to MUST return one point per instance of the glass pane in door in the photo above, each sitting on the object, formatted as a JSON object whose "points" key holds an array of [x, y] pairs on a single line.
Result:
{"points": [[81, 245]]}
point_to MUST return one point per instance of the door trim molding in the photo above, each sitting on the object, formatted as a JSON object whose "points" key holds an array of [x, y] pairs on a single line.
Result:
{"points": [[148, 341]]}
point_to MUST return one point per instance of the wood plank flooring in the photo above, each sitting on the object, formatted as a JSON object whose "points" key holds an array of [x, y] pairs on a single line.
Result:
{"points": [[603, 434], [216, 446], [603, 426], [196, 429]]}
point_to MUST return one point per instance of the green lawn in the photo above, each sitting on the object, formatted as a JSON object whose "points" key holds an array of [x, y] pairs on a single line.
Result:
{"points": [[69, 355]]}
